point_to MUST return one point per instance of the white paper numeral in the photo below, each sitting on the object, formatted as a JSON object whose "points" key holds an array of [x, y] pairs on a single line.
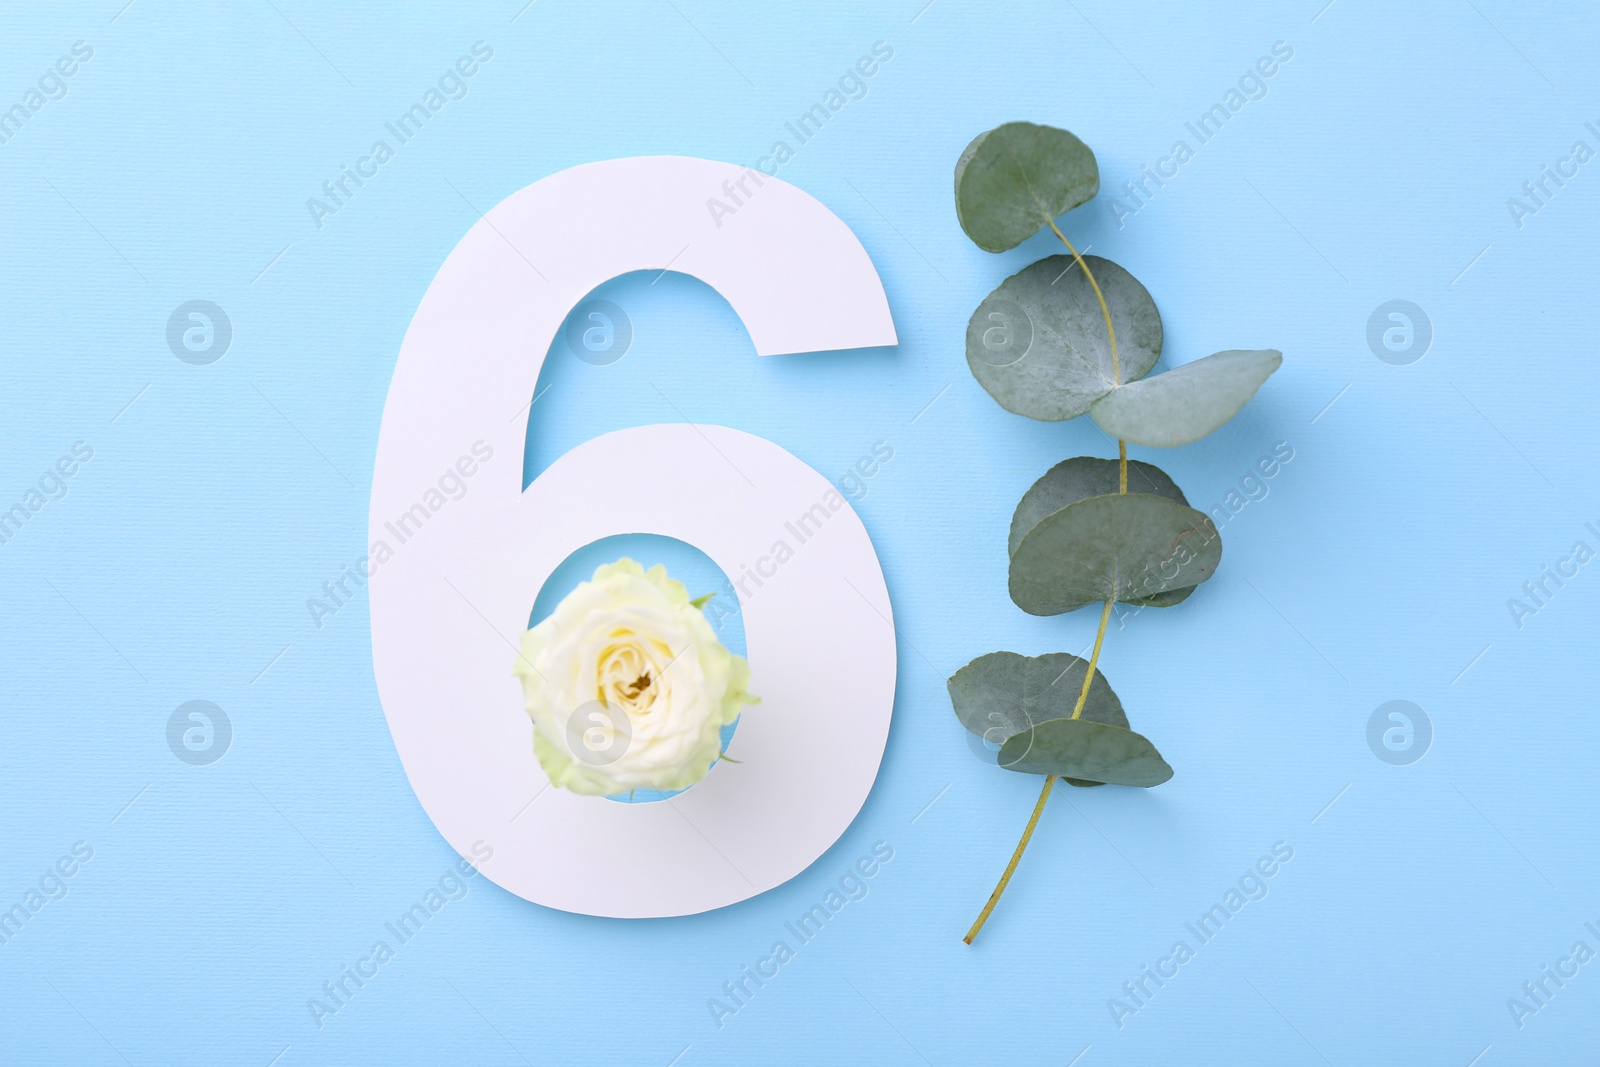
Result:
{"points": [[456, 574]]}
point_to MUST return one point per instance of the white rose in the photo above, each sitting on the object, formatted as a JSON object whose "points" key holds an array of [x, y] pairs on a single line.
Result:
{"points": [[628, 686]]}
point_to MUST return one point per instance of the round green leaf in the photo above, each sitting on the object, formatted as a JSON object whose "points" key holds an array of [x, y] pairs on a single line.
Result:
{"points": [[1079, 478], [1003, 694], [1038, 343], [1090, 751], [1187, 402], [1076, 479], [1013, 180], [1120, 546]]}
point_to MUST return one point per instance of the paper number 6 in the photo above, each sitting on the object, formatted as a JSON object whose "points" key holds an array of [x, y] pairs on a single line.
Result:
{"points": [[449, 601]]}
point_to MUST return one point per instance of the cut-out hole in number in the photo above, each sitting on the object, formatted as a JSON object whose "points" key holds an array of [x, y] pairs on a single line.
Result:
{"points": [[684, 563], [634, 347]]}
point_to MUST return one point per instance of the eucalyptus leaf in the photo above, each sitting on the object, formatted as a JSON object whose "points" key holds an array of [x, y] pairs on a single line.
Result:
{"points": [[1089, 751], [1076, 479], [1038, 343], [1187, 402], [1079, 478], [1015, 179], [1119, 546], [1003, 694]]}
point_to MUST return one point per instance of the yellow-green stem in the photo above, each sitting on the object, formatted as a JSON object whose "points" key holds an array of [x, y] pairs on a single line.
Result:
{"points": [[1094, 658], [1016, 857], [1049, 781], [1111, 336]]}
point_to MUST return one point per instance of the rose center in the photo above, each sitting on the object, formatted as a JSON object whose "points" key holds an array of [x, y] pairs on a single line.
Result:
{"points": [[629, 679], [638, 695]]}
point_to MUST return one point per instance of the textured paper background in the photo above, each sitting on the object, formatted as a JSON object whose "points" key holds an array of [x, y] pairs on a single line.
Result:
{"points": [[1378, 566]]}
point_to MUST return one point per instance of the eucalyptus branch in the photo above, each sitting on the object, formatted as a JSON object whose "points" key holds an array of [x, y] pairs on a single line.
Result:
{"points": [[1077, 533]]}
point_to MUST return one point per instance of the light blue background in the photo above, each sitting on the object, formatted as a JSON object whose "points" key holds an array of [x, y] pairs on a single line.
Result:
{"points": [[179, 564]]}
